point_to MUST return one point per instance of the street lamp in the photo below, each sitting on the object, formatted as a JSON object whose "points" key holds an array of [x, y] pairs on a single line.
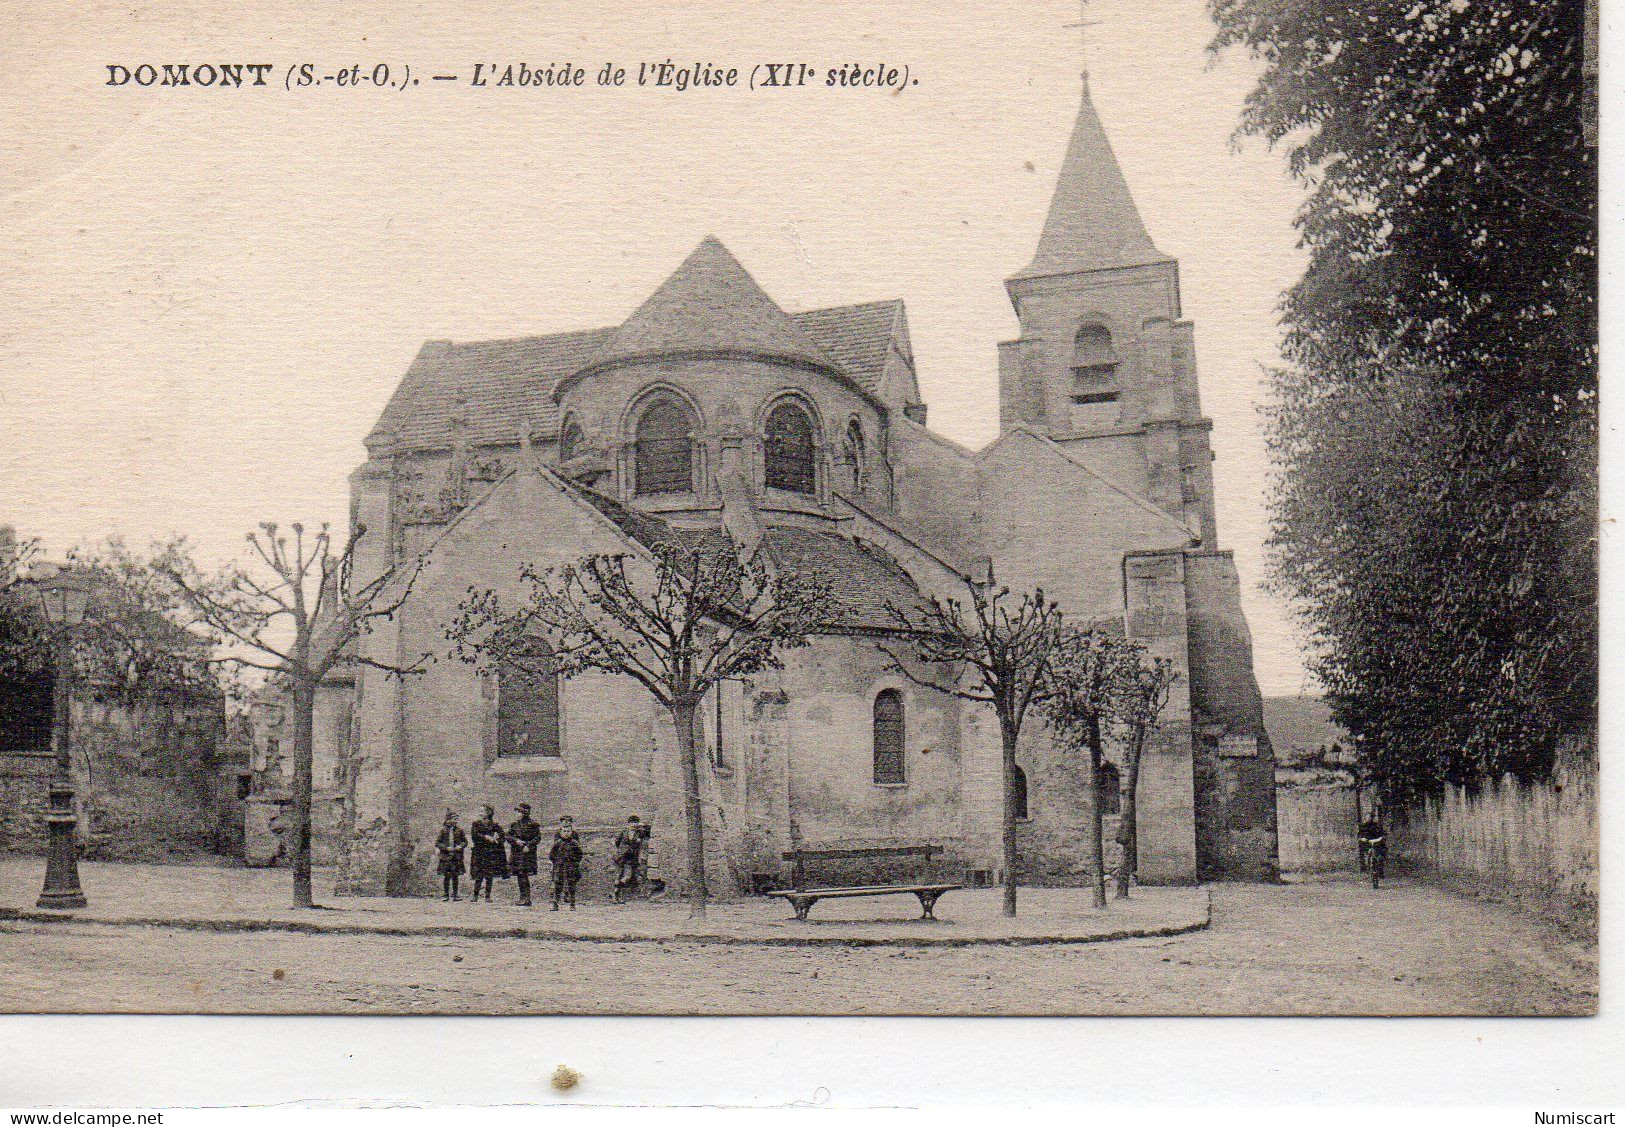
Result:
{"points": [[63, 598]]}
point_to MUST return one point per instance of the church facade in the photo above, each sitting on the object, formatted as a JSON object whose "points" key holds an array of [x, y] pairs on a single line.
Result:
{"points": [[713, 410]]}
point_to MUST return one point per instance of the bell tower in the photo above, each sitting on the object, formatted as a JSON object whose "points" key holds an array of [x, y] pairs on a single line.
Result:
{"points": [[1105, 364]]}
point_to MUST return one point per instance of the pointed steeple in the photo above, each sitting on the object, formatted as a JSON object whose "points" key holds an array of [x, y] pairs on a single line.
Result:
{"points": [[710, 306], [1092, 223]]}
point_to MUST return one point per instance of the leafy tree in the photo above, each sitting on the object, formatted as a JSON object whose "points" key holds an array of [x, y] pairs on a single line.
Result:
{"points": [[678, 621], [1435, 428], [1142, 698], [125, 649], [296, 612], [25, 651], [997, 650], [1090, 676], [1444, 567], [21, 645]]}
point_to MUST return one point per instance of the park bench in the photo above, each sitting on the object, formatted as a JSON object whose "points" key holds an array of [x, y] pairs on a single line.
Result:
{"points": [[802, 898]]}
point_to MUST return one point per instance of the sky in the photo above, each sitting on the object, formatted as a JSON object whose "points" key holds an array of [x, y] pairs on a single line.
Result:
{"points": [[209, 295]]}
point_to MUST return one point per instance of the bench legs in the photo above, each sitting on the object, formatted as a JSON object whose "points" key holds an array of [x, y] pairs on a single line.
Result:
{"points": [[803, 903]]}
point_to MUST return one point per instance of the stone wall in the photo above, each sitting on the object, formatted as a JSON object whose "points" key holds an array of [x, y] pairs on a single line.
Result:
{"points": [[1234, 762], [830, 689], [1508, 840], [1317, 827], [25, 781], [152, 783], [272, 766], [618, 756]]}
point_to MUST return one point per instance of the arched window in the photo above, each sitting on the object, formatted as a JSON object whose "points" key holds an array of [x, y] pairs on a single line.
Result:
{"points": [[789, 450], [528, 704], [1111, 790], [1018, 783], [1094, 366], [888, 738], [571, 441], [664, 461], [852, 452], [1092, 347]]}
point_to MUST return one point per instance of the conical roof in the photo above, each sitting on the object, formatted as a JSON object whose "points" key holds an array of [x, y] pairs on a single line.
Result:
{"points": [[710, 306], [1092, 223]]}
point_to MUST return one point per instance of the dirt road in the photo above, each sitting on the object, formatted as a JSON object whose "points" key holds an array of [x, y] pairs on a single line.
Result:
{"points": [[1333, 947]]}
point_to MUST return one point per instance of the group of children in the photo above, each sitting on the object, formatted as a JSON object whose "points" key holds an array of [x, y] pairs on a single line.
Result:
{"points": [[498, 853]]}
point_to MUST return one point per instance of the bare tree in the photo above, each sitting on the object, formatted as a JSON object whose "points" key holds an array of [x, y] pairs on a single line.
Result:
{"points": [[678, 621], [296, 613], [1007, 642], [1090, 672], [1145, 694]]}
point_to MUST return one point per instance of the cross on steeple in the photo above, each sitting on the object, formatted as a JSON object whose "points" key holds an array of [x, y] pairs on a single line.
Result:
{"points": [[1083, 25]]}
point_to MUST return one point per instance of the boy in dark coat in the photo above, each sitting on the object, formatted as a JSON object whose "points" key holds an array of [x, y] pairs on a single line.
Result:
{"points": [[566, 857], [488, 859], [628, 852], [524, 838], [450, 845]]}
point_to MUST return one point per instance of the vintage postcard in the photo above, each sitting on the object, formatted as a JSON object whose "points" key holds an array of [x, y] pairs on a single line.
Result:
{"points": [[810, 508]]}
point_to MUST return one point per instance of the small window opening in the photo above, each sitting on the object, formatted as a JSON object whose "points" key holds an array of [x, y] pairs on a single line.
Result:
{"points": [[888, 738]]}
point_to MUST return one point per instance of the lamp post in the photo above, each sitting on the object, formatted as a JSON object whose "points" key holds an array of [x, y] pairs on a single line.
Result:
{"points": [[63, 597]]}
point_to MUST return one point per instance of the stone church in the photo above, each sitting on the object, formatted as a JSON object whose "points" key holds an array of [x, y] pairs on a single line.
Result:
{"points": [[803, 435]]}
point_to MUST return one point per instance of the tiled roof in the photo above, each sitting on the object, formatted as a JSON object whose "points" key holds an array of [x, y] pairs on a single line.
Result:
{"points": [[493, 383], [710, 304], [498, 381], [864, 582], [647, 529], [859, 337]]}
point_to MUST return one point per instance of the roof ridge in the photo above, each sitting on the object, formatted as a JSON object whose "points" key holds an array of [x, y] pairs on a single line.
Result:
{"points": [[848, 305], [908, 536], [525, 339], [943, 440]]}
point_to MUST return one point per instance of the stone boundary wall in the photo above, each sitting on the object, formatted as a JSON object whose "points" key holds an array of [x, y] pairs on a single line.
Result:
{"points": [[155, 783], [1318, 828], [25, 782], [1534, 844]]}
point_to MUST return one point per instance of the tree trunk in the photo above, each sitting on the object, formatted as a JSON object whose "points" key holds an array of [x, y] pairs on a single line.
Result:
{"points": [[1008, 822], [693, 814], [1095, 842], [1128, 829], [303, 702]]}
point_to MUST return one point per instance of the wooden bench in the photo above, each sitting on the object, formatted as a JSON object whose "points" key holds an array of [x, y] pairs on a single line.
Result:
{"points": [[802, 898]]}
